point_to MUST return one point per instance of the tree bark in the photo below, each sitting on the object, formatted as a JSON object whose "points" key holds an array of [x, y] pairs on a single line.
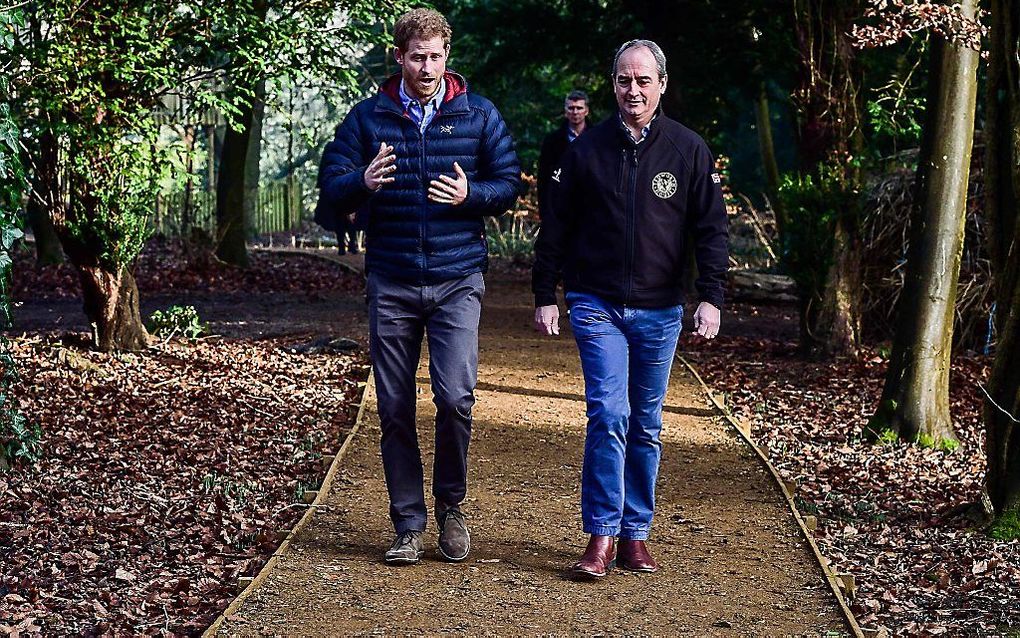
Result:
{"points": [[767, 148], [237, 183], [915, 399], [111, 305], [839, 318], [231, 231], [252, 160], [828, 137], [1002, 189], [44, 197], [47, 245]]}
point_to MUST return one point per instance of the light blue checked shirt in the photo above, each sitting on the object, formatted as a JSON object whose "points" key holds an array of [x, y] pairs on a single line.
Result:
{"points": [[644, 131], [422, 115]]}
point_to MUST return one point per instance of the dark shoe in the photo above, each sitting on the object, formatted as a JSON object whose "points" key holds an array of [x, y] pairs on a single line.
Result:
{"points": [[406, 549], [599, 557], [341, 251], [634, 557], [353, 247], [454, 538]]}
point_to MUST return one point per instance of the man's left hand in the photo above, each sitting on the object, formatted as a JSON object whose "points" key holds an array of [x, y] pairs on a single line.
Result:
{"points": [[450, 190], [706, 320]]}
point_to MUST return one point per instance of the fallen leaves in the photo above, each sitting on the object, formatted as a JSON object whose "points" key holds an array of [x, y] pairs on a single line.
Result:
{"points": [[163, 267], [885, 513], [167, 474]]}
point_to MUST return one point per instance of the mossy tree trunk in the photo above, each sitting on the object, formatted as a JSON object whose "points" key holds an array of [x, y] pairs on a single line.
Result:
{"points": [[93, 236], [915, 398], [1002, 189]]}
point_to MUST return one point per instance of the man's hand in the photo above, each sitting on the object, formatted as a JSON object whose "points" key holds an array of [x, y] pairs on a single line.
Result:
{"points": [[706, 320], [380, 169], [547, 319], [449, 190]]}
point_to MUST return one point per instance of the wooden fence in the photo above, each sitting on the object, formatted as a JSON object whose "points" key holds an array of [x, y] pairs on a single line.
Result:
{"points": [[279, 207]]}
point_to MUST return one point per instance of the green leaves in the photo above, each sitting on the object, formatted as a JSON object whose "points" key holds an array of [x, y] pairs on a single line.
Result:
{"points": [[9, 235], [174, 321], [18, 439], [812, 204]]}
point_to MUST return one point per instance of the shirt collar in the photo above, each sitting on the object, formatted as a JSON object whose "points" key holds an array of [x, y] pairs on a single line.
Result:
{"points": [[644, 131], [435, 101]]}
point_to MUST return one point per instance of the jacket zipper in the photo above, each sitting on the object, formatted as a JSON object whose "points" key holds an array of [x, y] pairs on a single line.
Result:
{"points": [[631, 196], [620, 185], [425, 204]]}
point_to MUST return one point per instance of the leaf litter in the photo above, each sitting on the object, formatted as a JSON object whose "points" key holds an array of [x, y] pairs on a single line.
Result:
{"points": [[168, 473], [889, 514]]}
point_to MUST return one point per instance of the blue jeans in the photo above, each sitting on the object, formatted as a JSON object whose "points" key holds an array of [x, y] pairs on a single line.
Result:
{"points": [[626, 355]]}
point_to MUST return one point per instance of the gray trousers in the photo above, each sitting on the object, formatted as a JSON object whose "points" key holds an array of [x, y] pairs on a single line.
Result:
{"points": [[399, 315]]}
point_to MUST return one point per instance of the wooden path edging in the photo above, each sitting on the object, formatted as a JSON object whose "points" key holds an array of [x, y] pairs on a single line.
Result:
{"points": [[835, 581], [320, 497]]}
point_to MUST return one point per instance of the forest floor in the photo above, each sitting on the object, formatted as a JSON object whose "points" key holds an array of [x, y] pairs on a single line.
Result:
{"points": [[166, 474], [733, 559], [890, 514]]}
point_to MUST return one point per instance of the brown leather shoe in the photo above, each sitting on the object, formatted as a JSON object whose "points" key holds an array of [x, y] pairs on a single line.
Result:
{"points": [[634, 557], [599, 557]]}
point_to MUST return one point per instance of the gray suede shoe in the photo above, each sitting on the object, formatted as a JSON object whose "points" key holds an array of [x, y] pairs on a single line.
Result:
{"points": [[454, 539], [406, 549]]}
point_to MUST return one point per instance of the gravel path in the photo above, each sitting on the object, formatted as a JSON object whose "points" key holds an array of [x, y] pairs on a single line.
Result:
{"points": [[733, 561]]}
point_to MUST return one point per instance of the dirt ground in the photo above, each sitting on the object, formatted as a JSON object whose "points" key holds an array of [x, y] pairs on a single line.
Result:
{"points": [[733, 562]]}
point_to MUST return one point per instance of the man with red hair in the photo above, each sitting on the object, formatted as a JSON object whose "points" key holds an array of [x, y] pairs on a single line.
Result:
{"points": [[423, 162]]}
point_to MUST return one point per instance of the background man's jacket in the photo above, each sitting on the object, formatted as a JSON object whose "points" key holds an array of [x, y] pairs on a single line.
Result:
{"points": [[554, 146], [619, 213], [409, 238]]}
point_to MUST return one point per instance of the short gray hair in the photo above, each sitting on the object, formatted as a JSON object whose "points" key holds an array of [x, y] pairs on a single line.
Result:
{"points": [[656, 50], [576, 95]]}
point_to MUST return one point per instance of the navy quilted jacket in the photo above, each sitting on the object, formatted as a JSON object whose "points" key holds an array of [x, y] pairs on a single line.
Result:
{"points": [[408, 237]]}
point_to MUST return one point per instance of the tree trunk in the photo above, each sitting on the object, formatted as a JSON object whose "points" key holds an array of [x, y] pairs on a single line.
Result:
{"points": [[767, 149], [231, 231], [111, 305], [110, 296], [251, 163], [187, 205], [915, 399], [43, 197], [237, 183], [839, 323], [828, 134], [1002, 189], [47, 245]]}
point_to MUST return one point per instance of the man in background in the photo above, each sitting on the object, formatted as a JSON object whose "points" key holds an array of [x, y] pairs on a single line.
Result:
{"points": [[575, 121]]}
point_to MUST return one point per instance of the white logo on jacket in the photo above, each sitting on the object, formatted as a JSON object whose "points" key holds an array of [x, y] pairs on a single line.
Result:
{"points": [[556, 174], [446, 128], [664, 185]]}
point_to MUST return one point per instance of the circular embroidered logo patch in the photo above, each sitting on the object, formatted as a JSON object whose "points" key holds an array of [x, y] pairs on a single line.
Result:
{"points": [[664, 185]]}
